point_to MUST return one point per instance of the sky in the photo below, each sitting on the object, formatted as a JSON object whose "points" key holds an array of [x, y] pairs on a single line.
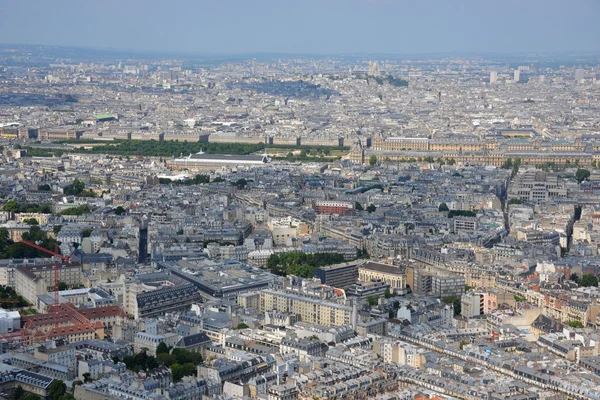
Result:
{"points": [[307, 26]]}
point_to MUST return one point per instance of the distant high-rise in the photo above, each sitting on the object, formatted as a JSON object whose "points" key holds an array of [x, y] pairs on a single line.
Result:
{"points": [[143, 240], [374, 69], [517, 75], [254, 66], [493, 76], [579, 74]]}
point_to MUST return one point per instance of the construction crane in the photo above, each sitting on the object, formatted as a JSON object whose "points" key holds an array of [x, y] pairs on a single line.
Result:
{"points": [[56, 257]]}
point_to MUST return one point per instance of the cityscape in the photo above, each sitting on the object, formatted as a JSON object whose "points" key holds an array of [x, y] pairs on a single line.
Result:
{"points": [[274, 225]]}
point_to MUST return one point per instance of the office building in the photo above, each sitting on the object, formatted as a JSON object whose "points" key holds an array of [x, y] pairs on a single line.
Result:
{"points": [[339, 275]]}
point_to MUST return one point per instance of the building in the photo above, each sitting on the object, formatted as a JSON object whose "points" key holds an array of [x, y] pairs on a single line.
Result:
{"points": [[286, 391], [10, 321], [339, 275], [213, 161], [145, 340], [535, 186], [169, 299], [464, 224], [143, 241], [392, 275], [310, 310], [284, 230], [333, 206], [493, 76]]}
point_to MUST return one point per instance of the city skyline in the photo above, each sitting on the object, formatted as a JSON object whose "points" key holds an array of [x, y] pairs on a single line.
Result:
{"points": [[332, 27]]}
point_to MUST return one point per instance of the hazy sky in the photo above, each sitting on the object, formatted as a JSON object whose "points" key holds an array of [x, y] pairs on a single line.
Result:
{"points": [[307, 26]]}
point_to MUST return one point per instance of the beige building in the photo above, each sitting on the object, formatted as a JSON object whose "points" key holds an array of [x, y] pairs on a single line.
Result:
{"points": [[313, 311], [42, 219], [390, 274]]}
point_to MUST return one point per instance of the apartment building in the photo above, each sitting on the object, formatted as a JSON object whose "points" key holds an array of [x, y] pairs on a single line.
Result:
{"points": [[310, 310]]}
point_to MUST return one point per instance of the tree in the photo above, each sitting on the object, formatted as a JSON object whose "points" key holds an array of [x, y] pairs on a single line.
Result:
{"points": [[56, 229], [372, 160], [57, 389], [179, 371], [11, 206], [166, 359], [162, 348], [62, 286], [45, 188], [455, 301], [589, 280], [508, 164], [240, 183], [387, 293], [18, 393], [576, 324], [575, 277], [30, 396], [119, 210], [358, 206], [87, 377], [371, 208], [242, 325], [372, 301], [515, 201], [582, 174], [443, 207], [31, 221]]}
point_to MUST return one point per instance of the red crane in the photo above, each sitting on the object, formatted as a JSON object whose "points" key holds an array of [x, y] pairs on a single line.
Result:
{"points": [[56, 256]]}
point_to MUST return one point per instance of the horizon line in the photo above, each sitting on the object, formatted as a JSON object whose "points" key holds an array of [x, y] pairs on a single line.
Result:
{"points": [[306, 54]]}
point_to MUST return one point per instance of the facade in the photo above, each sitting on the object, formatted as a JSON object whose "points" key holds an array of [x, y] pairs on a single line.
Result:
{"points": [[391, 275], [333, 207], [339, 275], [314, 311]]}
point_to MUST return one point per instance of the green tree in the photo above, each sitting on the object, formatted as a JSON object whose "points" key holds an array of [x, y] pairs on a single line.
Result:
{"points": [[44, 188], [242, 325], [119, 210], [582, 174], [387, 293], [372, 301], [162, 348], [358, 206], [178, 371], [372, 160], [30, 396], [62, 286], [371, 208], [31, 221], [589, 280], [18, 393], [443, 207], [576, 324], [455, 301], [515, 201], [166, 359], [575, 277], [56, 229], [508, 164], [11, 206], [87, 377], [241, 183], [57, 389]]}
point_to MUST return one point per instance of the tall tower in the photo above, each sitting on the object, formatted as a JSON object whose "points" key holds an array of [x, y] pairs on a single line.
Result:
{"points": [[517, 75], [579, 75], [254, 66], [143, 240], [493, 77]]}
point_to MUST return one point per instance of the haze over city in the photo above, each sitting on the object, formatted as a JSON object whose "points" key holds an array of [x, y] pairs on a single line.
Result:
{"points": [[308, 26]]}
